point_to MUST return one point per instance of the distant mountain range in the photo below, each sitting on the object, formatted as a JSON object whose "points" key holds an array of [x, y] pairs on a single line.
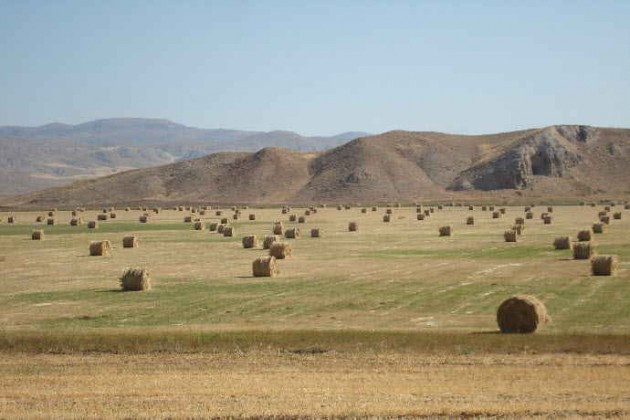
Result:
{"points": [[33, 158], [574, 162]]}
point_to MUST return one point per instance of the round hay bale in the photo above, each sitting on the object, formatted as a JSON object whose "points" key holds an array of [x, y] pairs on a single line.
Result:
{"points": [[491, 208], [280, 250], [143, 219], [100, 248], [353, 226], [76, 221], [37, 235], [547, 220], [374, 208], [269, 240], [386, 218], [293, 218], [519, 221], [471, 208], [339, 207], [285, 211], [112, 215], [364, 211], [316, 233], [220, 228], [582, 251], [50, 221], [307, 213], [521, 314], [484, 208], [187, 219], [604, 265], [199, 225], [252, 216], [278, 228], [228, 231], [301, 219], [510, 236], [101, 217], [518, 229], [605, 219], [446, 231], [420, 216], [135, 279], [427, 213], [549, 209], [502, 210], [51, 213], [388, 211], [264, 267], [218, 213], [602, 214], [293, 233], [92, 224], [584, 235], [563, 242], [213, 226], [224, 221], [496, 215], [529, 215], [598, 228], [250, 241], [617, 216], [38, 219], [470, 220], [130, 242]]}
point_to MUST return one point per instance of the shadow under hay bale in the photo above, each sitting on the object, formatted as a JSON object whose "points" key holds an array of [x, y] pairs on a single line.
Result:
{"points": [[269, 240], [135, 279], [100, 248], [250, 241], [563, 242], [582, 251], [604, 265], [264, 267], [280, 250], [130, 242], [37, 235], [521, 314]]}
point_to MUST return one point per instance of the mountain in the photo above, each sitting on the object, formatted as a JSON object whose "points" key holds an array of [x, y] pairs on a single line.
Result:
{"points": [[33, 158], [558, 161]]}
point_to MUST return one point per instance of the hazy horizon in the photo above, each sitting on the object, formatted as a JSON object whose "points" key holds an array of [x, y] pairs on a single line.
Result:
{"points": [[321, 68]]}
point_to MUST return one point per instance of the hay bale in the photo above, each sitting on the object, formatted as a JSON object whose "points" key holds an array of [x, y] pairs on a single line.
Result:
{"points": [[293, 218], [285, 211], [626, 207], [496, 215], [188, 219], [549, 209], [143, 219], [50, 222], [135, 279], [563, 242], [37, 235], [420, 216], [228, 231], [130, 242], [293, 233], [101, 217], [519, 221], [582, 251], [502, 210], [213, 226], [250, 241], [446, 231], [375, 208], [527, 209], [491, 208], [339, 207], [269, 240], [198, 225], [315, 233], [100, 248], [236, 216], [604, 265], [264, 267], [605, 219], [518, 229], [598, 228], [38, 219], [510, 236], [484, 208], [278, 228], [427, 213], [224, 221], [617, 216], [76, 221], [529, 215], [218, 213], [353, 226], [220, 228], [307, 213], [388, 211], [547, 220], [252, 216], [364, 211], [470, 220], [301, 219], [521, 314], [471, 208], [92, 224], [584, 235], [386, 218], [51, 213], [112, 215], [280, 250]]}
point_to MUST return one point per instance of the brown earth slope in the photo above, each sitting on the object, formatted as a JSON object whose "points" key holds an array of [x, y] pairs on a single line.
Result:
{"points": [[557, 161]]}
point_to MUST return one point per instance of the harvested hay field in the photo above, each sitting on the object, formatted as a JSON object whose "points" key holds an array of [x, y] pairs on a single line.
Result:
{"points": [[409, 316]]}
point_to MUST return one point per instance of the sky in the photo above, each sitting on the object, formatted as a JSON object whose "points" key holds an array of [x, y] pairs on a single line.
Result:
{"points": [[318, 67]]}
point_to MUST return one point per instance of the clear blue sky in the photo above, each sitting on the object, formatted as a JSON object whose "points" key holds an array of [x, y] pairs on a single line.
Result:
{"points": [[318, 67]]}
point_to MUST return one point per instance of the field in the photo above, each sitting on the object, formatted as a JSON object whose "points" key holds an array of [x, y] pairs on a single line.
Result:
{"points": [[389, 320]]}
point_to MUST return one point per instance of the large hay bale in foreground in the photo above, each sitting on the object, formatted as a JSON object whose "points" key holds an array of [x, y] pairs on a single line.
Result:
{"points": [[584, 235], [228, 231], [135, 279], [293, 233], [446, 231], [37, 235], [521, 314], [563, 242], [280, 250], [51, 213], [582, 251], [510, 236], [100, 248], [264, 267], [316, 233], [278, 228], [604, 265], [269, 240], [598, 228], [250, 241], [92, 224], [130, 242], [353, 226]]}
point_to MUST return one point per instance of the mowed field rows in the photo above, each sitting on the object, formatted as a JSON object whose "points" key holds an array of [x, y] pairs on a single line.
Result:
{"points": [[386, 276]]}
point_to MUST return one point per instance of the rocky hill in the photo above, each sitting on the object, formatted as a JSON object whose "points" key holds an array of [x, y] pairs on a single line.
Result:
{"points": [[557, 161]]}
